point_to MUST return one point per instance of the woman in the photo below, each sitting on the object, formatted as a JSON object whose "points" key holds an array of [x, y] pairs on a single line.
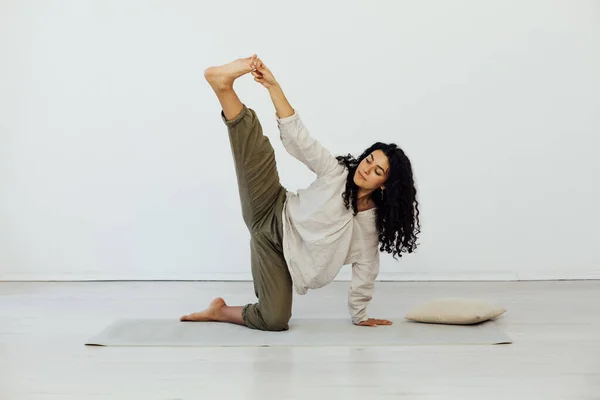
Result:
{"points": [[300, 241]]}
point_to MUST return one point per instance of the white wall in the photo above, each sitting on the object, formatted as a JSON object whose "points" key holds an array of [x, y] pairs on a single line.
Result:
{"points": [[114, 163]]}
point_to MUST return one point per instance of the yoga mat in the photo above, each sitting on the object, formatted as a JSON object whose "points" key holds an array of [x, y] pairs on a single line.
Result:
{"points": [[302, 332]]}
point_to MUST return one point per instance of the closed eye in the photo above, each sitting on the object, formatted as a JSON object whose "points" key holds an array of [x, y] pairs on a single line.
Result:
{"points": [[369, 162], [376, 171], [373, 159]]}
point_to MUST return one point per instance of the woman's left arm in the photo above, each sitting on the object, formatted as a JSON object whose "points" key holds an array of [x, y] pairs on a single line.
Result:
{"points": [[361, 292]]}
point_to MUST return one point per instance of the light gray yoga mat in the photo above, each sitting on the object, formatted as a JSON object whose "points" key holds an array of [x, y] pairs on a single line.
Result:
{"points": [[302, 332]]}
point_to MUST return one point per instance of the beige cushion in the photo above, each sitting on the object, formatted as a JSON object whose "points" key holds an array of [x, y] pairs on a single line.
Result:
{"points": [[454, 310]]}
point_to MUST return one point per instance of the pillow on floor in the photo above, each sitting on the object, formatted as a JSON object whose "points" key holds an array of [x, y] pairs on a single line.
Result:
{"points": [[454, 310]]}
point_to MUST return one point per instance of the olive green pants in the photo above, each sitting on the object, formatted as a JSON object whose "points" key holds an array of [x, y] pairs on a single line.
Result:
{"points": [[262, 198]]}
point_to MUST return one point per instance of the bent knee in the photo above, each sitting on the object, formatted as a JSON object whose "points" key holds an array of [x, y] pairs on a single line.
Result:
{"points": [[277, 323]]}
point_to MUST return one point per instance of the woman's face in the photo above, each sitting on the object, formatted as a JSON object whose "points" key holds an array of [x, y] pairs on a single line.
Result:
{"points": [[372, 172]]}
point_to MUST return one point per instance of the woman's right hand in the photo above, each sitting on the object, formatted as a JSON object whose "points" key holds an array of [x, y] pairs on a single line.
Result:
{"points": [[262, 74]]}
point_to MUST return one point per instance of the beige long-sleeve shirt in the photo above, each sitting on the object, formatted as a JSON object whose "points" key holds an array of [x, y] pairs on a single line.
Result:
{"points": [[319, 234]]}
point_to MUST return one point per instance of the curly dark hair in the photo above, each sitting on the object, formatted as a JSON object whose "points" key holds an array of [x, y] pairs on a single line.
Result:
{"points": [[397, 206]]}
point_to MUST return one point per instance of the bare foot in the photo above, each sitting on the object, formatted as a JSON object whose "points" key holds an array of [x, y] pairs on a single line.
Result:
{"points": [[222, 77], [212, 313]]}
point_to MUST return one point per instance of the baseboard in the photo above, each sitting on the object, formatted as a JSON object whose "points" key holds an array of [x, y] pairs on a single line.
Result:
{"points": [[345, 275]]}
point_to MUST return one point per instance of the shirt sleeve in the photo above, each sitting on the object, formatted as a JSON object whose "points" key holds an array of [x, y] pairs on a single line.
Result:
{"points": [[297, 141], [361, 288]]}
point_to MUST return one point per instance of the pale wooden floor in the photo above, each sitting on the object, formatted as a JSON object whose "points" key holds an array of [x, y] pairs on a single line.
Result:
{"points": [[555, 326]]}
